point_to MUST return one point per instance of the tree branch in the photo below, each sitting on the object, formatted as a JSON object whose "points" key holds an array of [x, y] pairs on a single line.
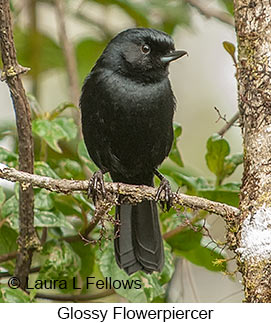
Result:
{"points": [[83, 235], [131, 193], [68, 52], [211, 12], [8, 256], [183, 226], [27, 240], [32, 271], [229, 124]]}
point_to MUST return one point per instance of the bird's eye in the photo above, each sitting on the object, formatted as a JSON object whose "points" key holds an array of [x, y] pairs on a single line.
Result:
{"points": [[145, 49]]}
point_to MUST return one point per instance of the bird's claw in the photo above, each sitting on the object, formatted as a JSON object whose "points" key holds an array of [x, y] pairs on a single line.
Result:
{"points": [[168, 195], [96, 186]]}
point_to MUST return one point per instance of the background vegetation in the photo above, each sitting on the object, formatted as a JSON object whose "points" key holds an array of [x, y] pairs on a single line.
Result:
{"points": [[60, 153]]}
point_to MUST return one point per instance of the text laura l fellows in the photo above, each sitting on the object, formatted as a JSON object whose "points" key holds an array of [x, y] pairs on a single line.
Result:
{"points": [[90, 282]]}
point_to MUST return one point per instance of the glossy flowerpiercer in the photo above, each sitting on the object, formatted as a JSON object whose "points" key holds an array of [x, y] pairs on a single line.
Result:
{"points": [[127, 107]]}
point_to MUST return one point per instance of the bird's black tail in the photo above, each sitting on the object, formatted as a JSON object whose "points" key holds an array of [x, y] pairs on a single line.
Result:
{"points": [[138, 241]]}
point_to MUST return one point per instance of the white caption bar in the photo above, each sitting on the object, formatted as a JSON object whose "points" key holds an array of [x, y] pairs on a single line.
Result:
{"points": [[123, 312]]}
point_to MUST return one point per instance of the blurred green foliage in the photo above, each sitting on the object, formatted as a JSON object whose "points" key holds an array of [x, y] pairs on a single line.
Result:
{"points": [[60, 153]]}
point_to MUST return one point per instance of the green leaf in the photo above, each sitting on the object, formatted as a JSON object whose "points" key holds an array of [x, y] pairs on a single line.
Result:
{"points": [[53, 218], [84, 156], [231, 187], [9, 295], [68, 127], [10, 208], [17, 190], [218, 160], [87, 53], [188, 244], [83, 201], [34, 104], [185, 240], [2, 196], [136, 11], [43, 200], [170, 220], [109, 268], [179, 178], [42, 218], [61, 263], [50, 54], [67, 205], [55, 130], [87, 256], [82, 151], [43, 169], [231, 163], [8, 239], [155, 286], [67, 168], [7, 128], [8, 158], [203, 257], [228, 4], [227, 193], [174, 154], [61, 108], [173, 14], [229, 47], [169, 267], [45, 129], [220, 195], [217, 149], [152, 286]]}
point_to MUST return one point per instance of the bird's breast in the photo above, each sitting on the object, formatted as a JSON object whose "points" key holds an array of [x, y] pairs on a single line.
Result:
{"points": [[134, 119]]}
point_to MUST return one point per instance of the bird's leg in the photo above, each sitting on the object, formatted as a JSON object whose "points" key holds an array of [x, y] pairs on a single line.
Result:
{"points": [[166, 189], [96, 186]]}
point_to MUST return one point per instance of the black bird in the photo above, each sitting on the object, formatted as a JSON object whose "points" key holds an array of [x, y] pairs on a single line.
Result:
{"points": [[127, 107]]}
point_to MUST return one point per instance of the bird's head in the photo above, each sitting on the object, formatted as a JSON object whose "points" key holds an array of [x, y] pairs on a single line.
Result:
{"points": [[141, 54]]}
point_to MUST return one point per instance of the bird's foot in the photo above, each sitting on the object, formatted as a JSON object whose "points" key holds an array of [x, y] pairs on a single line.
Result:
{"points": [[165, 189], [96, 186]]}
